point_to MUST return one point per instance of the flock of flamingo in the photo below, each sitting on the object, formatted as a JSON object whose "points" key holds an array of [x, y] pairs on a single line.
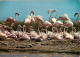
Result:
{"points": [[59, 29]]}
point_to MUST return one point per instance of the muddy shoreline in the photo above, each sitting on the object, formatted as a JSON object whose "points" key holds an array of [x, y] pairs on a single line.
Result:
{"points": [[50, 46]]}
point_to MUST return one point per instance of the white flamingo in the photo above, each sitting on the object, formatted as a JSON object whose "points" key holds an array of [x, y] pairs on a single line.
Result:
{"points": [[29, 20], [38, 19], [58, 36], [68, 35], [15, 16], [47, 24], [64, 17], [67, 20], [24, 35]]}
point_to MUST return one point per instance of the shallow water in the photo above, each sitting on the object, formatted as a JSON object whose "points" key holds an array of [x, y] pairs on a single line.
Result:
{"points": [[36, 55]]}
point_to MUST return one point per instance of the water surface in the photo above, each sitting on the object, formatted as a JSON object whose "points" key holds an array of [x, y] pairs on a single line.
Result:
{"points": [[36, 55]]}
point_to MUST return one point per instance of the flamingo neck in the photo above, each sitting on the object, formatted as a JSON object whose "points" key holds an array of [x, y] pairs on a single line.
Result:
{"points": [[56, 15], [31, 15], [77, 18], [50, 17], [16, 17], [38, 30]]}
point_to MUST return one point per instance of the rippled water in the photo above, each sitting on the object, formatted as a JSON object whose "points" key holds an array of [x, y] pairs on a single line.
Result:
{"points": [[36, 55]]}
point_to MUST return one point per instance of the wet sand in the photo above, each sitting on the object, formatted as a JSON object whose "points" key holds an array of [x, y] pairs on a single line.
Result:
{"points": [[50, 46]]}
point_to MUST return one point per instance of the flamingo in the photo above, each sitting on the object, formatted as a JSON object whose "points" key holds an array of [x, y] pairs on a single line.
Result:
{"points": [[67, 20], [11, 19], [24, 35], [15, 16], [34, 35], [68, 35], [77, 21], [29, 20], [12, 32], [19, 33], [38, 19], [40, 36], [76, 34], [64, 17], [43, 35], [47, 24], [54, 20], [2, 35], [6, 31], [69, 24], [58, 36], [50, 35], [3, 29]]}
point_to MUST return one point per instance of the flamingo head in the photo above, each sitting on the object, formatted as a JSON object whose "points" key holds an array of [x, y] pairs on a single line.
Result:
{"points": [[49, 10], [16, 13], [54, 11], [32, 12], [76, 14]]}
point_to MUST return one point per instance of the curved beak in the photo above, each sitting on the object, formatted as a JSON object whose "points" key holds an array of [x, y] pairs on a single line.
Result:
{"points": [[17, 13], [32, 12], [76, 14]]}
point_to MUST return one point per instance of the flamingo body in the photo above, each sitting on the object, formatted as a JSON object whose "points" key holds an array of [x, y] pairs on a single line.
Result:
{"points": [[10, 20]]}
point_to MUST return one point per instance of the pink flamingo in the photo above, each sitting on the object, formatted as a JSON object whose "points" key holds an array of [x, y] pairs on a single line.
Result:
{"points": [[11, 19], [54, 20]]}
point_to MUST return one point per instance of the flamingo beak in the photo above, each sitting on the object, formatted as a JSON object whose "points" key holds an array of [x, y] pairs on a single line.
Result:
{"points": [[32, 12], [75, 14], [17, 13], [49, 10]]}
